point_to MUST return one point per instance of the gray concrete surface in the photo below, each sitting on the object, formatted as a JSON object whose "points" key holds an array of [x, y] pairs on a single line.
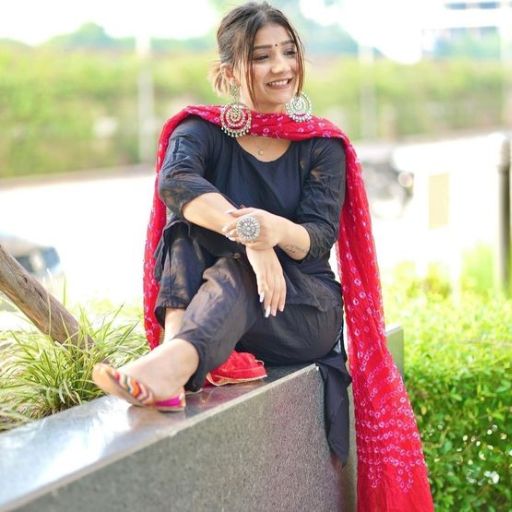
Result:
{"points": [[258, 446]]}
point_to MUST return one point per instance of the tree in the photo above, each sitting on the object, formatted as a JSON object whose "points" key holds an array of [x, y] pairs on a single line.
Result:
{"points": [[88, 36]]}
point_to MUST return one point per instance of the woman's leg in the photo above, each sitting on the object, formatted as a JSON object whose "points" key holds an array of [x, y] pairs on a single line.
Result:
{"points": [[181, 360], [300, 334], [181, 276], [173, 322], [222, 310], [165, 371], [219, 312]]}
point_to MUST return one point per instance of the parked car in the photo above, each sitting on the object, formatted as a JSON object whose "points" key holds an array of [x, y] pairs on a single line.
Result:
{"points": [[41, 261]]}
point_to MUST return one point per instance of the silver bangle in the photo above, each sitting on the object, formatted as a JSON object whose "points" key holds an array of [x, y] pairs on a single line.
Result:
{"points": [[248, 228]]}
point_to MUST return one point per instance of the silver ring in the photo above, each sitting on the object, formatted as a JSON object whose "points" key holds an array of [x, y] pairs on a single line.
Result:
{"points": [[248, 228]]}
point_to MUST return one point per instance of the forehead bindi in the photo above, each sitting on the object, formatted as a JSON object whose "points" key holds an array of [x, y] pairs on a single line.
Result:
{"points": [[271, 36]]}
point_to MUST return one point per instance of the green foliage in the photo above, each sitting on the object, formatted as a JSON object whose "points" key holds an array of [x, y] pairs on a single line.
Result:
{"points": [[50, 104], [53, 103], [458, 364], [89, 36], [39, 377], [478, 272]]}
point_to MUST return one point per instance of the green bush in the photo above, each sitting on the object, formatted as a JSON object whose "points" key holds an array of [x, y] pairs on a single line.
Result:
{"points": [[458, 368]]}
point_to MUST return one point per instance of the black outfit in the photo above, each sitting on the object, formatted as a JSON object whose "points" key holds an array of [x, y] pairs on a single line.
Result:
{"points": [[211, 277]]}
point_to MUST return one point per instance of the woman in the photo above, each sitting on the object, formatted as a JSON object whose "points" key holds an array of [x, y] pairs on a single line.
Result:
{"points": [[255, 190]]}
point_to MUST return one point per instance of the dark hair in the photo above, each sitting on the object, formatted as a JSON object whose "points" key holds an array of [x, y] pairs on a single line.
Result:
{"points": [[235, 41]]}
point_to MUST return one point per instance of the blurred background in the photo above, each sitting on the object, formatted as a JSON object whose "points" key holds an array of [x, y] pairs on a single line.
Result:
{"points": [[423, 88]]}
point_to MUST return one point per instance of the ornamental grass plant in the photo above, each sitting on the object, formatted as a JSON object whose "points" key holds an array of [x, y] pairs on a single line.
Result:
{"points": [[39, 377]]}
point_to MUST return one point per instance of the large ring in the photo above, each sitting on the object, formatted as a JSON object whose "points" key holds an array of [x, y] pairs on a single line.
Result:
{"points": [[248, 228]]}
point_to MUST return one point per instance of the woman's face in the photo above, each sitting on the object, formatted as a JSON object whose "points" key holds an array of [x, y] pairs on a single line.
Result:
{"points": [[274, 70]]}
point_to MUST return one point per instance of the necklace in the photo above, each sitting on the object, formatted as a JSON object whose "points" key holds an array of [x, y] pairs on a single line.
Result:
{"points": [[262, 149]]}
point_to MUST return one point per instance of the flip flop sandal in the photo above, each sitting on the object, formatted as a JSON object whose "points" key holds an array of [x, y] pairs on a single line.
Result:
{"points": [[117, 383]]}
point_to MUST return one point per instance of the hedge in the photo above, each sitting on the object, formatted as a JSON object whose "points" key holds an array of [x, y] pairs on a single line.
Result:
{"points": [[458, 368], [55, 105]]}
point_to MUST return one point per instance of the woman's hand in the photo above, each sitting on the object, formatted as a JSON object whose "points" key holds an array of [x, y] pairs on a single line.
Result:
{"points": [[271, 228], [270, 279]]}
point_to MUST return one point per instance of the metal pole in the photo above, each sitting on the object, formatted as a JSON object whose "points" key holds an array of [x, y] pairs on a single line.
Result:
{"points": [[504, 216]]}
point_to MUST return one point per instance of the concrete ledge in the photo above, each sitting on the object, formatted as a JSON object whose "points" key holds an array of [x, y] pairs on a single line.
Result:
{"points": [[258, 446]]}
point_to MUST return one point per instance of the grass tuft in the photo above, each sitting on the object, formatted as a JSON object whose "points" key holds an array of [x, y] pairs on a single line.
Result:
{"points": [[39, 377]]}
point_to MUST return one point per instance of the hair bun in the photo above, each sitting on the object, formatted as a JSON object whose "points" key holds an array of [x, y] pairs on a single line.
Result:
{"points": [[218, 79]]}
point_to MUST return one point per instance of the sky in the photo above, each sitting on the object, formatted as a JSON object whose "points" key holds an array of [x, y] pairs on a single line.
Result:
{"points": [[35, 21]]}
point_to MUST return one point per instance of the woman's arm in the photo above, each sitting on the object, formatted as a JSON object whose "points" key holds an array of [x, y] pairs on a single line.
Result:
{"points": [[320, 205], [209, 211], [182, 183], [294, 239], [317, 218], [274, 231]]}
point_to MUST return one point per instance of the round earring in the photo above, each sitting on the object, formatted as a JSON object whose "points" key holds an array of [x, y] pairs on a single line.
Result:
{"points": [[235, 117], [299, 108]]}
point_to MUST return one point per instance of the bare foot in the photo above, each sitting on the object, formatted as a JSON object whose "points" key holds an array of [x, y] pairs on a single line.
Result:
{"points": [[166, 369]]}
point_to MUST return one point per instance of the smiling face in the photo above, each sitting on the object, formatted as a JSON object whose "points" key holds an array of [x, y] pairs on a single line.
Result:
{"points": [[274, 70]]}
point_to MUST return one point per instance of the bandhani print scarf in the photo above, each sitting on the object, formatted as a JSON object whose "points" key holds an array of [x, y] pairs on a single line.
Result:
{"points": [[391, 471]]}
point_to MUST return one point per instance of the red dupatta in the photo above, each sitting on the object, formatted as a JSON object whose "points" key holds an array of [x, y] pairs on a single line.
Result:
{"points": [[391, 471]]}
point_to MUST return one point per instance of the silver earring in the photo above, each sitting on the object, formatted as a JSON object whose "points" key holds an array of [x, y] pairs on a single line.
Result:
{"points": [[299, 108], [235, 117]]}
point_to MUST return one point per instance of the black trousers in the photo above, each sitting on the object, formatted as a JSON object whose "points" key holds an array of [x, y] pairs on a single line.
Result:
{"points": [[223, 312], [204, 274]]}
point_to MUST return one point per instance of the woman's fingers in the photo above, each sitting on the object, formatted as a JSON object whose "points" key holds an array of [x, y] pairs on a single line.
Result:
{"points": [[269, 294], [270, 280], [263, 292], [280, 295], [240, 212], [275, 298], [282, 298], [259, 245], [274, 295], [231, 226], [266, 292], [229, 229]]}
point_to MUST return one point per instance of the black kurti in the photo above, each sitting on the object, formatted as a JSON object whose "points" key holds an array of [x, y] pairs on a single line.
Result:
{"points": [[306, 185]]}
